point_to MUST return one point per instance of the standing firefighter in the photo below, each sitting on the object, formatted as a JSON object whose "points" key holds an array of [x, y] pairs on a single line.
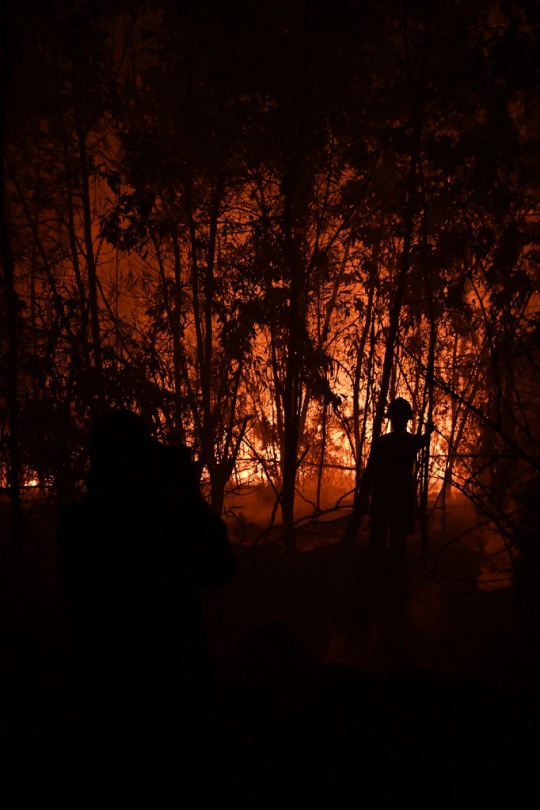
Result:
{"points": [[388, 482]]}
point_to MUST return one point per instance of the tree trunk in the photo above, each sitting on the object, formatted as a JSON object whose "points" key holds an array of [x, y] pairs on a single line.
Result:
{"points": [[11, 306], [90, 261], [292, 390]]}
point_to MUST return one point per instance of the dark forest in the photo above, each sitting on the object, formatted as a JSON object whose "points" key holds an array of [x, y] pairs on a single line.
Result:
{"points": [[255, 225]]}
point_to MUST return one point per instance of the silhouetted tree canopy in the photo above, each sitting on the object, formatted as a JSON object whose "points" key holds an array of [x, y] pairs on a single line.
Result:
{"points": [[257, 223]]}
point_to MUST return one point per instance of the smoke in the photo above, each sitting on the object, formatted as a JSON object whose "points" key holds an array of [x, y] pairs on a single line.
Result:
{"points": [[467, 551], [249, 509]]}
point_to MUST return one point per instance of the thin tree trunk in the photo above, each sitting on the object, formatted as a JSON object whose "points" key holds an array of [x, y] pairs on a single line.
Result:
{"points": [[292, 393], [11, 305], [359, 431], [177, 344], [425, 454], [90, 260], [320, 471]]}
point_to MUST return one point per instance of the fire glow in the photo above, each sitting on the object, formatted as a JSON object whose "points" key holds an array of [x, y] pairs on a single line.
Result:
{"points": [[261, 294]]}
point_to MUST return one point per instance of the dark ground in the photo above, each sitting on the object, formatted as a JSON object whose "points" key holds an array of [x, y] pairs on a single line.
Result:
{"points": [[315, 706]]}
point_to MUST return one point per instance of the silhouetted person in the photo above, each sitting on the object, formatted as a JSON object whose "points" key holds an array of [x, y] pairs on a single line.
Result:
{"points": [[388, 493], [133, 554]]}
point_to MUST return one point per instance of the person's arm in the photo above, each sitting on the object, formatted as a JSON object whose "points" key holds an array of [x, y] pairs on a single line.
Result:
{"points": [[424, 438]]}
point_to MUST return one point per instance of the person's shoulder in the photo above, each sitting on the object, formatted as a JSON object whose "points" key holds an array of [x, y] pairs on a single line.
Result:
{"points": [[382, 441], [381, 446], [414, 439], [400, 442], [387, 440]]}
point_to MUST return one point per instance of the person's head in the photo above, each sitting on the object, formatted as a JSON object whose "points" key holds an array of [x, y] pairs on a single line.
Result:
{"points": [[119, 444], [400, 413]]}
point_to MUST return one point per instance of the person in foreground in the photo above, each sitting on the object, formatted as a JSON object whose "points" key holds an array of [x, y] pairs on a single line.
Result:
{"points": [[133, 555]]}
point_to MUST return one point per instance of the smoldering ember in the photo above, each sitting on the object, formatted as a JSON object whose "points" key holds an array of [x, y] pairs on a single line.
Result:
{"points": [[270, 301]]}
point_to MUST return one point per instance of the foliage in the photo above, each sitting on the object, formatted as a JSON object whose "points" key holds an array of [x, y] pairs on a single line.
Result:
{"points": [[231, 221]]}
